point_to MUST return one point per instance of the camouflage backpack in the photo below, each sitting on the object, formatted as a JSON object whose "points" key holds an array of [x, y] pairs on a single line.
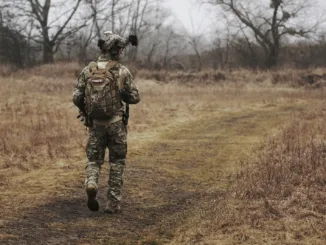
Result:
{"points": [[102, 97]]}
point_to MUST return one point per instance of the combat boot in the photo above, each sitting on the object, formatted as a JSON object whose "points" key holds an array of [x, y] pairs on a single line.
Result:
{"points": [[92, 202], [112, 207]]}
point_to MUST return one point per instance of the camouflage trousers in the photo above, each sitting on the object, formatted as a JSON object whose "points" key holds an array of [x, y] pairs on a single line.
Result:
{"points": [[114, 137]]}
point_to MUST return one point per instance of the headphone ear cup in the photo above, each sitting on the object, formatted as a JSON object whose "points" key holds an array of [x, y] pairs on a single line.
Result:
{"points": [[100, 43], [133, 40]]}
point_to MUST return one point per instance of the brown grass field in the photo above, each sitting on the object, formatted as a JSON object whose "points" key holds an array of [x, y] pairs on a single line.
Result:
{"points": [[214, 158]]}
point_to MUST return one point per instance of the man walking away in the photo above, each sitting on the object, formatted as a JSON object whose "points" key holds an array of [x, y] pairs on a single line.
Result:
{"points": [[102, 89]]}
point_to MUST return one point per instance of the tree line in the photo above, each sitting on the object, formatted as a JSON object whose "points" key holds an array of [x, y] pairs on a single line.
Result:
{"points": [[254, 34]]}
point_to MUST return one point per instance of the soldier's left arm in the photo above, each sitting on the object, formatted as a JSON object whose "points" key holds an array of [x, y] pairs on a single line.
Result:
{"points": [[128, 90]]}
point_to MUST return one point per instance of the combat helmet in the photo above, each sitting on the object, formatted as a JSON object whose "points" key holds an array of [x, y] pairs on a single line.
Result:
{"points": [[115, 44]]}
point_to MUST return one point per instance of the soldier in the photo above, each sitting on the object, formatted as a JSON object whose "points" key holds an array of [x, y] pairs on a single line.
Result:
{"points": [[102, 88]]}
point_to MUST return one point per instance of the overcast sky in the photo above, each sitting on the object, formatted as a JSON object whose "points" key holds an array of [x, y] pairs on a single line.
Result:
{"points": [[187, 10], [205, 17]]}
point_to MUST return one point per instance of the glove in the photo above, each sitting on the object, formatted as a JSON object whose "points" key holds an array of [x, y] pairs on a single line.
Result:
{"points": [[86, 121], [81, 116]]}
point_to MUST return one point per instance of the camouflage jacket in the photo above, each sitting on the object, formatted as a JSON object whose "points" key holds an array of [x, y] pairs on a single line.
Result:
{"points": [[129, 92]]}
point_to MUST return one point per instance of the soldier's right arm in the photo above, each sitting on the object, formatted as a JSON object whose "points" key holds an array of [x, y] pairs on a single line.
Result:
{"points": [[79, 92]]}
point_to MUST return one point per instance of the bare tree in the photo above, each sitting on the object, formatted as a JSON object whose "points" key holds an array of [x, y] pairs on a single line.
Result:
{"points": [[105, 13], [15, 48], [172, 47], [52, 42], [51, 22], [195, 40], [269, 26], [245, 47], [138, 22], [140, 17], [84, 40], [160, 47], [145, 20], [157, 35]]}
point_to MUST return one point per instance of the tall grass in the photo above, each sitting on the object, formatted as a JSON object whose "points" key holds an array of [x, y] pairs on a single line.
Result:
{"points": [[38, 120], [291, 168], [279, 196]]}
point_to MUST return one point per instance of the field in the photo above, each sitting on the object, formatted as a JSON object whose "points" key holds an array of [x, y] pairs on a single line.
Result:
{"points": [[223, 157]]}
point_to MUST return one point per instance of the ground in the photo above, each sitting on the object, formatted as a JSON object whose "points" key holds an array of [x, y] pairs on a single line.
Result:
{"points": [[187, 146]]}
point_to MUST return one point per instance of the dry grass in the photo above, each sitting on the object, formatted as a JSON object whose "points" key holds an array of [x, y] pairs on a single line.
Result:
{"points": [[278, 196], [295, 160], [39, 123], [186, 124], [311, 78], [57, 70], [36, 123], [5, 70], [286, 181]]}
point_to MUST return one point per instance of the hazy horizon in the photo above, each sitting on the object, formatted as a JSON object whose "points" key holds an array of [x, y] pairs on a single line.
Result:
{"points": [[204, 17]]}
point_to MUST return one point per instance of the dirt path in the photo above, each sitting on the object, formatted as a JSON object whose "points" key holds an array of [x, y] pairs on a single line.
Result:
{"points": [[166, 181]]}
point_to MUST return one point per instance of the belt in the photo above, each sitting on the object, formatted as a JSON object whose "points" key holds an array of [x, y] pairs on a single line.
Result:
{"points": [[107, 122]]}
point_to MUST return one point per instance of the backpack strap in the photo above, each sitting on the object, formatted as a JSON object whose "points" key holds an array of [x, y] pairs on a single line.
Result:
{"points": [[120, 82], [110, 64]]}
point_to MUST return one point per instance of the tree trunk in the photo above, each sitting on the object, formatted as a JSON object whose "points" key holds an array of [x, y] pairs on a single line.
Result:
{"points": [[199, 61], [272, 59], [48, 53], [17, 55], [82, 54]]}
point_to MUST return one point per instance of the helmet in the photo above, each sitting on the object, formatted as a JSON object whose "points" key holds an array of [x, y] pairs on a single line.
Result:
{"points": [[110, 40], [113, 44]]}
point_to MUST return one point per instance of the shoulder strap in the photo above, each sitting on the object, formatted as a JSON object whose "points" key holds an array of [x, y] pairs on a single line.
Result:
{"points": [[120, 81], [110, 64]]}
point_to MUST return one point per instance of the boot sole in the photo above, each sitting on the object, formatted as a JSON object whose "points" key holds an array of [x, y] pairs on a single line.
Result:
{"points": [[92, 203]]}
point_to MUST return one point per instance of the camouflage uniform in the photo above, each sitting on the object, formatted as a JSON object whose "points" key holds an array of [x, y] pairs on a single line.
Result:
{"points": [[110, 134]]}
